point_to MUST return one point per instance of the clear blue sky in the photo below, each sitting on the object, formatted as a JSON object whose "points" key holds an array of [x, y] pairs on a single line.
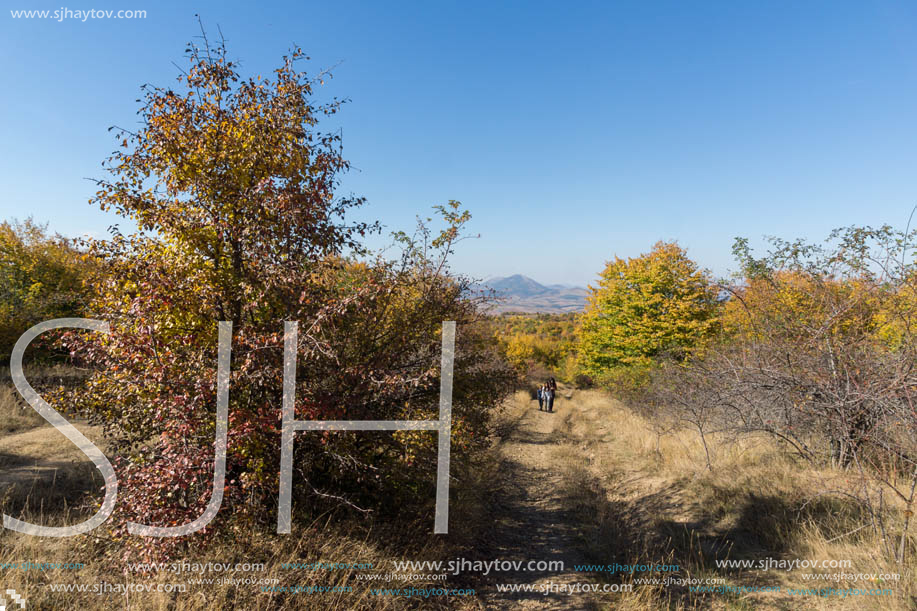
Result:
{"points": [[573, 131]]}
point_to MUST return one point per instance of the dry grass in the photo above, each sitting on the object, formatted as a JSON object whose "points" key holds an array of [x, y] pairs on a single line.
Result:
{"points": [[653, 499], [323, 540], [328, 538], [16, 415], [637, 498]]}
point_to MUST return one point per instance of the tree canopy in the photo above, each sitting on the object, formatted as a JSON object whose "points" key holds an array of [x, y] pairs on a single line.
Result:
{"points": [[659, 302], [41, 277]]}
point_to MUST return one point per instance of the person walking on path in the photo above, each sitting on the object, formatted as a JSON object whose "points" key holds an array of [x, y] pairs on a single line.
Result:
{"points": [[541, 398], [550, 389]]}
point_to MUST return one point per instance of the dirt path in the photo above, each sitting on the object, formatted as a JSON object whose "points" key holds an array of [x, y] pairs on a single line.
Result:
{"points": [[535, 519]]}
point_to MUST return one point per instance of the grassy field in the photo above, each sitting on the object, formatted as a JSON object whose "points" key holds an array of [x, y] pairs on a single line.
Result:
{"points": [[652, 498]]}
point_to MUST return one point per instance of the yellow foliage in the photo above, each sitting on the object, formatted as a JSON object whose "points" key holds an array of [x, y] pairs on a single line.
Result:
{"points": [[645, 306]]}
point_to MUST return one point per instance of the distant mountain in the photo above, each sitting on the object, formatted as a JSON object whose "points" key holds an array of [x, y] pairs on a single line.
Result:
{"points": [[520, 293], [517, 286]]}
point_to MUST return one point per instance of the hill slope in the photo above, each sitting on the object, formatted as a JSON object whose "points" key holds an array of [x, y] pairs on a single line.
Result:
{"points": [[520, 293]]}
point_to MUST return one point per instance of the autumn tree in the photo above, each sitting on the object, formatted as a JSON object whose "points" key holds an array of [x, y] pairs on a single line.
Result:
{"points": [[817, 350], [41, 277], [659, 302], [538, 345], [233, 188]]}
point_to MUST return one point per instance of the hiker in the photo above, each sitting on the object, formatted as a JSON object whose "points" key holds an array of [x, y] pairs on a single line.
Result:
{"points": [[550, 389], [541, 398]]}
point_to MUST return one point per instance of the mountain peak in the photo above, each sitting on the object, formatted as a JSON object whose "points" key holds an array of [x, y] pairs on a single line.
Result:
{"points": [[520, 293], [517, 285]]}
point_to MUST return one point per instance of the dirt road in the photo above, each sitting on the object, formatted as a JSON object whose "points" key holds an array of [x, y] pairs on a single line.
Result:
{"points": [[538, 517]]}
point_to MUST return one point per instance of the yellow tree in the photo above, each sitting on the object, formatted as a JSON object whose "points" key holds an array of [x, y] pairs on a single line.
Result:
{"points": [[659, 302], [41, 277]]}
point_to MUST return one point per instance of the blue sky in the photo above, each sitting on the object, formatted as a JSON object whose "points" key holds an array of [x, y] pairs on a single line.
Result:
{"points": [[572, 131]]}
